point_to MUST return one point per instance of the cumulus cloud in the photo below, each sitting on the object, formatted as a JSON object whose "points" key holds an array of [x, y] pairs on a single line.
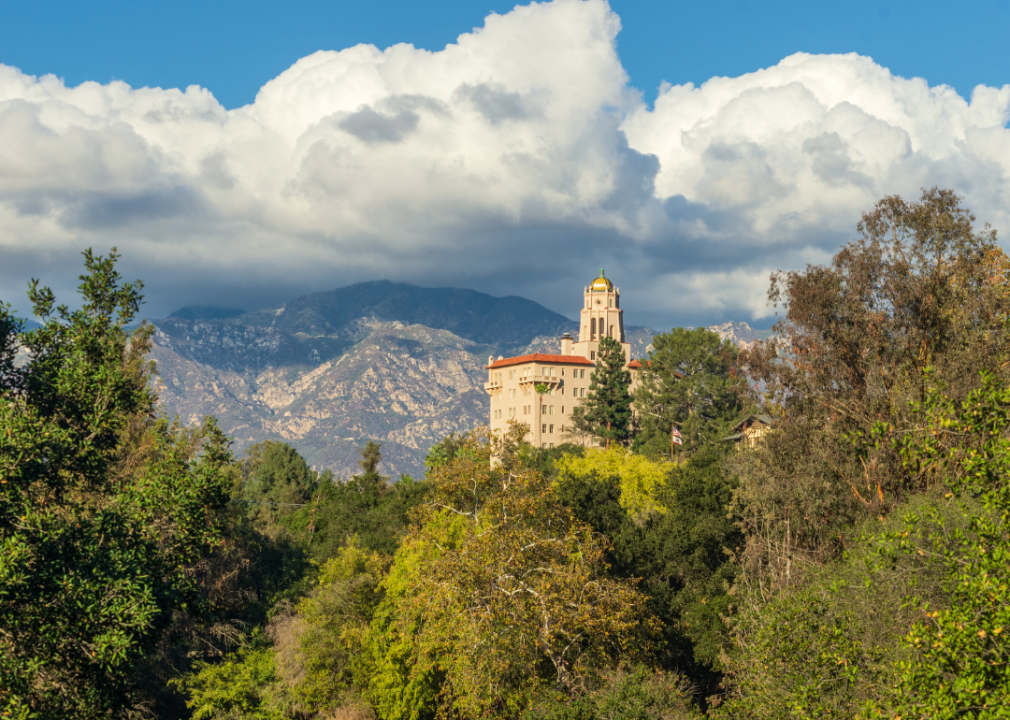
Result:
{"points": [[516, 161]]}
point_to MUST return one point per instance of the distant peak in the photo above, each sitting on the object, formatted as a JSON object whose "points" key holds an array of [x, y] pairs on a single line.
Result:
{"points": [[205, 312]]}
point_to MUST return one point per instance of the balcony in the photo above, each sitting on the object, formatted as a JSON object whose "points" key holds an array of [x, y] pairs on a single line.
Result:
{"points": [[549, 380], [493, 385]]}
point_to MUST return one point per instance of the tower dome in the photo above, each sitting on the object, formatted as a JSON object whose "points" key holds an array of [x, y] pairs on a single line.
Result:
{"points": [[601, 284]]}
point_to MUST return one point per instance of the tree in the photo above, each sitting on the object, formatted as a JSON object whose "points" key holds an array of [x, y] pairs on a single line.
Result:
{"points": [[689, 383], [679, 552], [104, 508], [919, 287], [367, 506], [497, 594], [959, 649], [608, 402], [277, 482]]}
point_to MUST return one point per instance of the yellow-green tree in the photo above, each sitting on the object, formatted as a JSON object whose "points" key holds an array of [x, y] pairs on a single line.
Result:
{"points": [[497, 595], [641, 479]]}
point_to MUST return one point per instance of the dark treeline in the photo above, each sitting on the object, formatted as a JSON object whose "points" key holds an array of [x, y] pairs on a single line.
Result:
{"points": [[852, 562]]}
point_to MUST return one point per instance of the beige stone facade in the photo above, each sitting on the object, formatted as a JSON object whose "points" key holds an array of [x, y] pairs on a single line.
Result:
{"points": [[512, 381]]}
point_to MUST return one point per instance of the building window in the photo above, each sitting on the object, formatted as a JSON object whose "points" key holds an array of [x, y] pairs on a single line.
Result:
{"points": [[592, 354], [544, 429], [582, 392], [552, 410], [552, 444], [543, 410], [543, 445], [582, 373], [562, 409], [552, 429], [562, 372]]}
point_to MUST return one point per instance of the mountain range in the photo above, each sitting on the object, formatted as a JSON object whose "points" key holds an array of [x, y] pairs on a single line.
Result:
{"points": [[384, 361]]}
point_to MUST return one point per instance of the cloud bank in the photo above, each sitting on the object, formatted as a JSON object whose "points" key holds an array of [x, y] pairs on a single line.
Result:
{"points": [[516, 161]]}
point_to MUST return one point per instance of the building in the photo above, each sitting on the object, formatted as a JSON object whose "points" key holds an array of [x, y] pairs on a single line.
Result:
{"points": [[750, 431], [512, 382]]}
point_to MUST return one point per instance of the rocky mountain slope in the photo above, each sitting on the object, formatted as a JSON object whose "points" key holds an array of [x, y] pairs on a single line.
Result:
{"points": [[741, 333]]}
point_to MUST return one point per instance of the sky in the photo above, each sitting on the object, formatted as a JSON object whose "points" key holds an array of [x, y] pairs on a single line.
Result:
{"points": [[242, 154]]}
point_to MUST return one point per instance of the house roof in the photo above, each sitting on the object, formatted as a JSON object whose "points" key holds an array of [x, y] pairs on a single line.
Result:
{"points": [[540, 358], [762, 418]]}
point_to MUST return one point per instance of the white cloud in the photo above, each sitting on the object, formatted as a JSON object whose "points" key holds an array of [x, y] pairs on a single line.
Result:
{"points": [[513, 161]]}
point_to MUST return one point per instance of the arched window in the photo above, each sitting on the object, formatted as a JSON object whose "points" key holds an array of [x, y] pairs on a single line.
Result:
{"points": [[592, 329]]}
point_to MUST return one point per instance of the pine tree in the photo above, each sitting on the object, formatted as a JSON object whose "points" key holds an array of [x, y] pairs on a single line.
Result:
{"points": [[608, 403]]}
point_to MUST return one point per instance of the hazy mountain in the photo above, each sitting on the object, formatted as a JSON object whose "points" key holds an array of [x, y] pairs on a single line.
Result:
{"points": [[204, 312]]}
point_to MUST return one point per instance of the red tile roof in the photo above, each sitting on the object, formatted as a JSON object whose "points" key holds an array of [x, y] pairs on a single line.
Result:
{"points": [[541, 358], [635, 364]]}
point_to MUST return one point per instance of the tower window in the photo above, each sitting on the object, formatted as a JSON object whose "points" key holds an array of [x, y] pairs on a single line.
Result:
{"points": [[592, 329]]}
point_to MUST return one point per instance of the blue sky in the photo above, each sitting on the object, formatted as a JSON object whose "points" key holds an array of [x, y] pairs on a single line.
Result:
{"points": [[232, 47], [505, 152]]}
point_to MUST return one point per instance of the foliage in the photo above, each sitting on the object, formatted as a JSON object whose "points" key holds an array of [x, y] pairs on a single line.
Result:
{"points": [[104, 510], [960, 663], [236, 689], [607, 409], [831, 641], [367, 506], [681, 555], [276, 482], [640, 479], [498, 594], [443, 451], [690, 382], [319, 646], [637, 693], [919, 287]]}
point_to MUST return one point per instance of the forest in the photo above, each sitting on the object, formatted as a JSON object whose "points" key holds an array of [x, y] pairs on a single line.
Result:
{"points": [[852, 562]]}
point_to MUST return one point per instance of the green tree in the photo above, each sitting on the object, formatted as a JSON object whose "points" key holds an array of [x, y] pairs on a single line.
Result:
{"points": [[960, 655], [920, 286], [277, 482], [690, 383], [834, 639], [681, 555], [104, 509], [607, 409], [496, 595], [367, 506]]}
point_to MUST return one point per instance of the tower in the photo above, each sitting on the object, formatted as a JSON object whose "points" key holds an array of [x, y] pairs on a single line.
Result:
{"points": [[601, 317]]}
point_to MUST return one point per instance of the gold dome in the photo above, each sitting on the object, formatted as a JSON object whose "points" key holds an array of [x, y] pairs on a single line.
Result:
{"points": [[601, 284]]}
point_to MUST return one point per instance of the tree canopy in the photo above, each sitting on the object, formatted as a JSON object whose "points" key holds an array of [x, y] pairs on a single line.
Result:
{"points": [[607, 409], [690, 382]]}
